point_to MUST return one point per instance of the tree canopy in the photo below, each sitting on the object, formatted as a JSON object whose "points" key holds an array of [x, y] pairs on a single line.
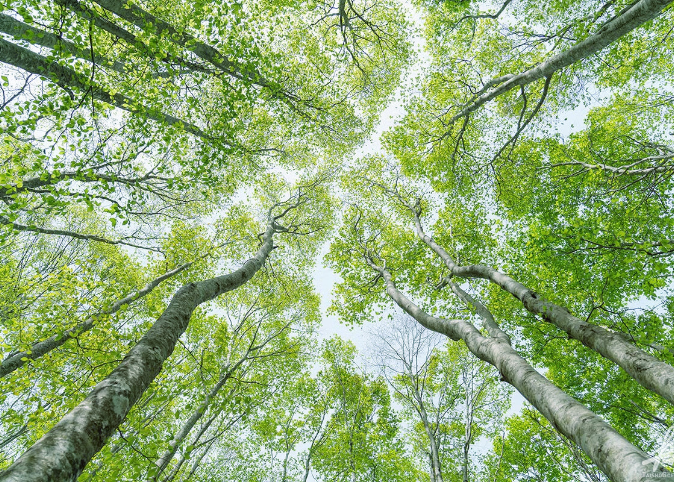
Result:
{"points": [[172, 171]]}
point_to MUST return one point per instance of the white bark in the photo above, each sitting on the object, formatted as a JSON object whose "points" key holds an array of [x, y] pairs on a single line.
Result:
{"points": [[629, 170], [611, 452], [17, 360], [64, 451], [226, 374], [70, 234], [436, 468], [18, 29], [647, 370], [145, 20], [67, 79], [187, 427]]}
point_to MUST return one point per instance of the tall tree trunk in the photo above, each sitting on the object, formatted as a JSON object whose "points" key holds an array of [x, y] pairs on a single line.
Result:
{"points": [[68, 79], [185, 430], [468, 435], [146, 21], [197, 461], [609, 450], [174, 472], [63, 452], [436, 468], [18, 29], [122, 34], [647, 370]]}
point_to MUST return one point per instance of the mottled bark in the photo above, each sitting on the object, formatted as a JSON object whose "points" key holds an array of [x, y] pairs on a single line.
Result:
{"points": [[17, 360], [647, 370], [611, 452], [64, 451], [638, 14]]}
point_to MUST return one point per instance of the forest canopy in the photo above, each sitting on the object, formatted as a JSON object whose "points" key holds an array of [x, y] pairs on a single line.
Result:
{"points": [[173, 173]]}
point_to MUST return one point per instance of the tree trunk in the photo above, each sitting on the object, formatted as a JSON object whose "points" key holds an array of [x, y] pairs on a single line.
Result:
{"points": [[146, 21], [185, 430], [174, 472], [64, 451], [18, 29], [611, 452], [67, 79], [197, 461], [468, 435], [436, 468], [647, 370]]}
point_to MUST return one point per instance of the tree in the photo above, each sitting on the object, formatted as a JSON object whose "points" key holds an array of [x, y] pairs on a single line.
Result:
{"points": [[199, 114], [334, 424], [363, 443], [146, 144], [449, 399], [551, 456], [368, 244], [83, 432]]}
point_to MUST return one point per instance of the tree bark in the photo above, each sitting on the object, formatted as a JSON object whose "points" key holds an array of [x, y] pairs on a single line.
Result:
{"points": [[611, 452], [17, 360], [35, 36], [174, 472], [71, 234], [647, 370], [146, 21], [197, 461], [436, 468], [163, 461], [64, 451], [468, 435]]}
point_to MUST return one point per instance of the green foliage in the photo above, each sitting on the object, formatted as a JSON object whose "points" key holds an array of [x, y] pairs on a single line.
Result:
{"points": [[140, 136]]}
